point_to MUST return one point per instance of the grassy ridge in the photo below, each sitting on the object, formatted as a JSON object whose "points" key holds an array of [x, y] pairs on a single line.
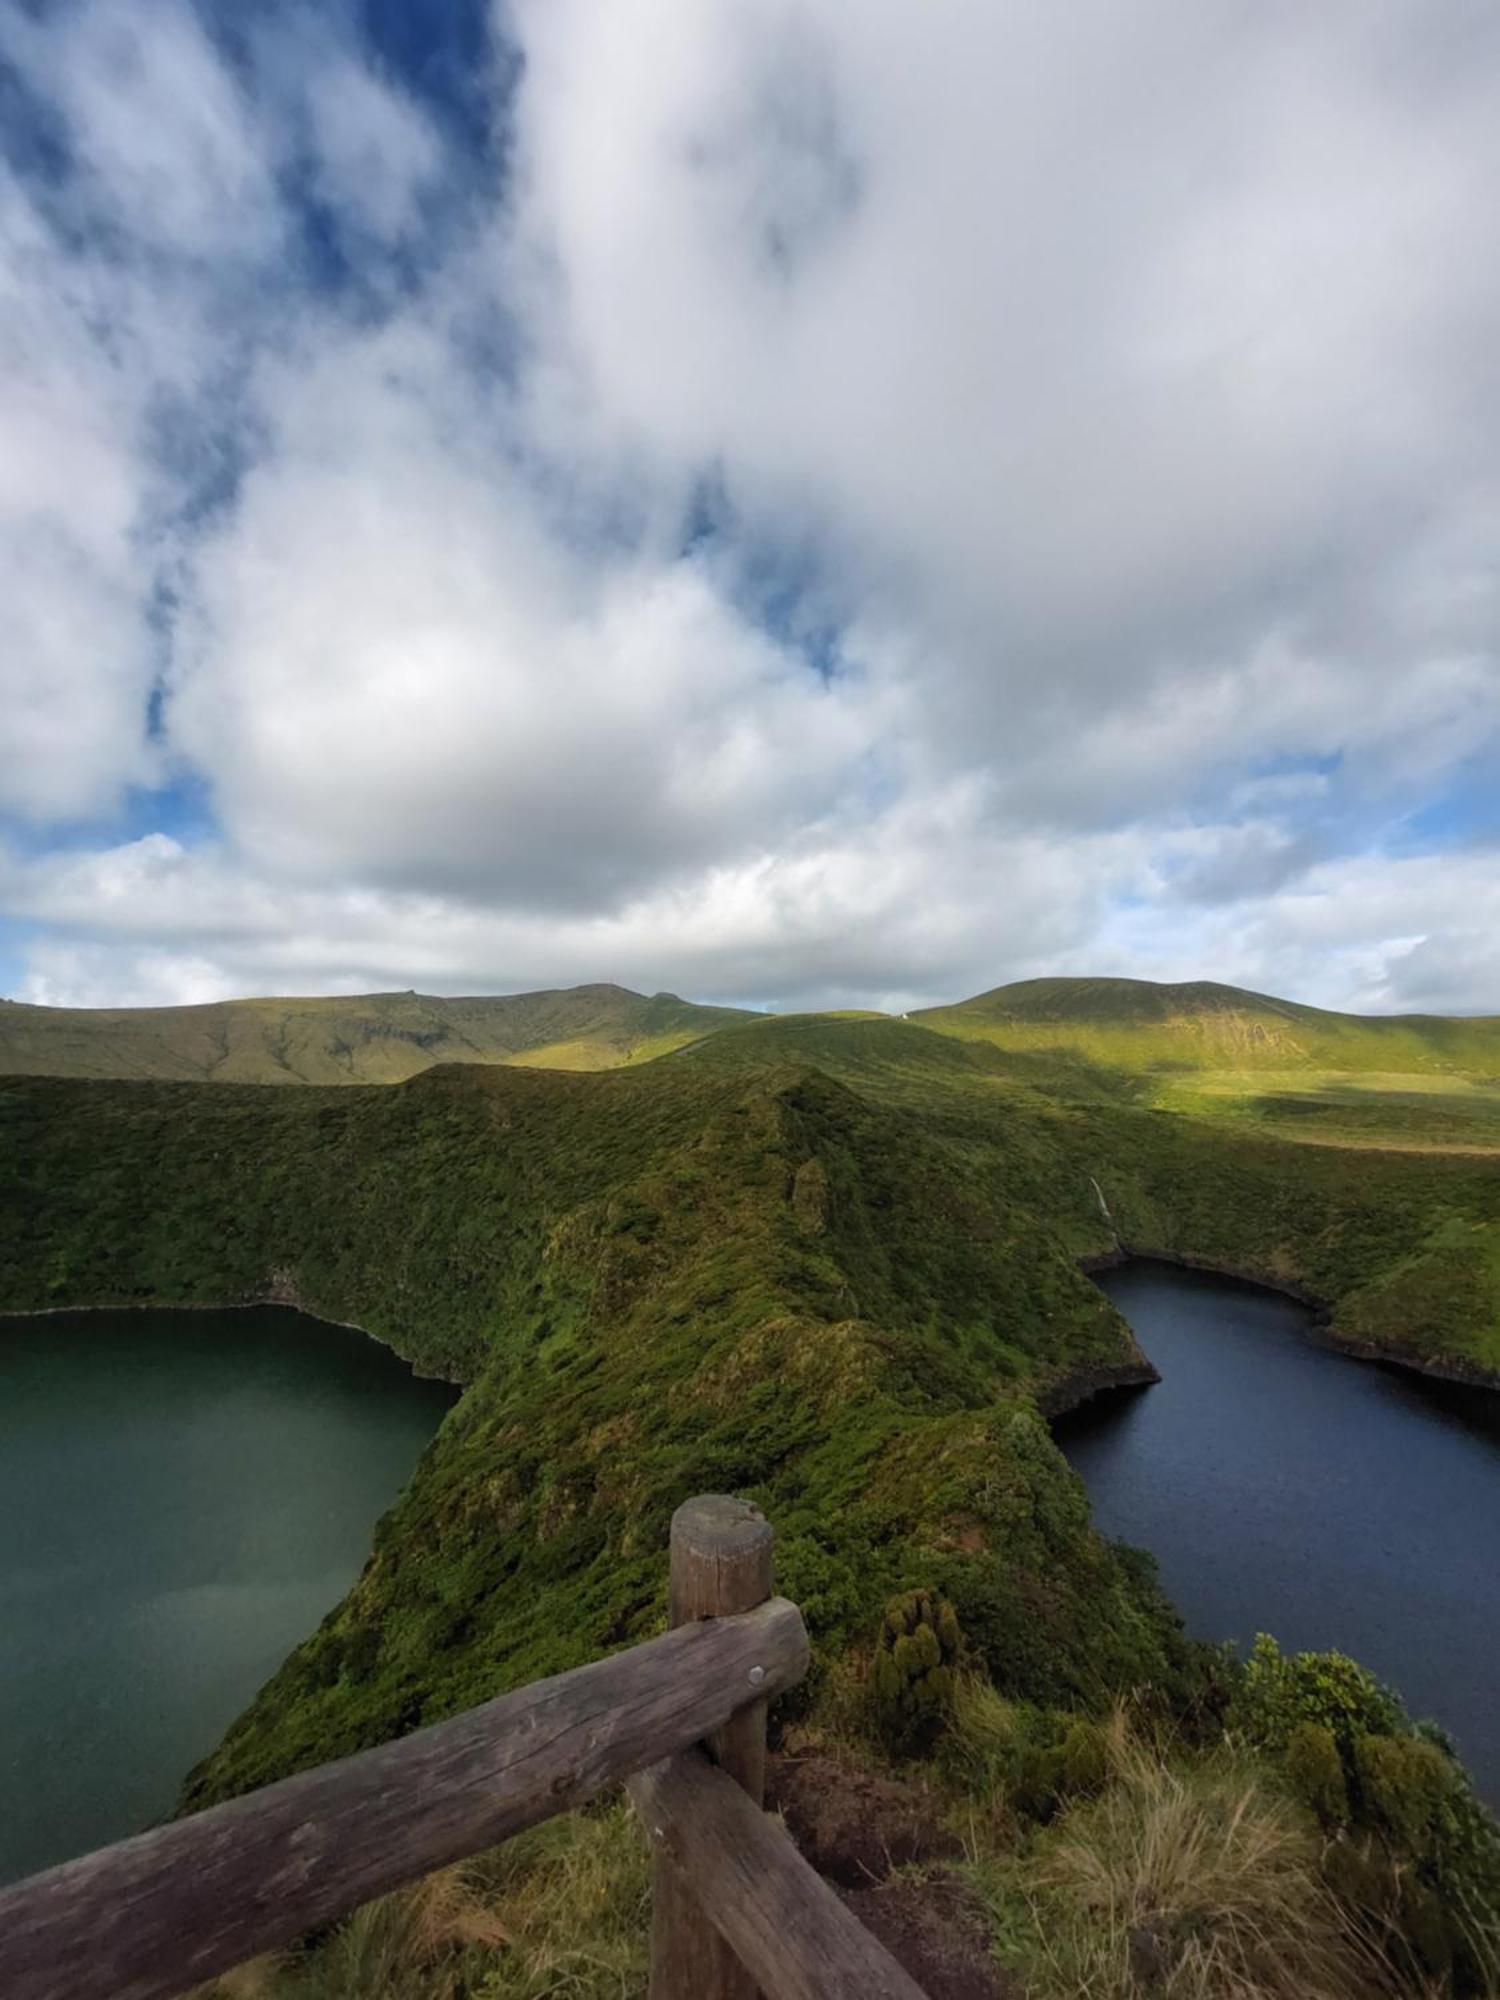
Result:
{"points": [[1401, 1245], [1413, 1082], [1263, 1066], [369, 1038], [654, 1283], [831, 1263], [1137, 1023], [828, 1262]]}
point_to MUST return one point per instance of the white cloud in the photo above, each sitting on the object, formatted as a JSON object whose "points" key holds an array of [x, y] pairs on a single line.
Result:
{"points": [[915, 909], [929, 907], [1133, 339], [163, 140], [75, 663], [376, 153], [397, 674], [1124, 388], [1376, 932]]}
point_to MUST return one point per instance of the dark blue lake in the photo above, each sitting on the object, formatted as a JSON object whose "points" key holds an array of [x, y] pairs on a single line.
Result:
{"points": [[183, 1495], [1286, 1488]]}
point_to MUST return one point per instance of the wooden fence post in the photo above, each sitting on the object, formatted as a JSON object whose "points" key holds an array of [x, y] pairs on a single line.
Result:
{"points": [[720, 1563]]}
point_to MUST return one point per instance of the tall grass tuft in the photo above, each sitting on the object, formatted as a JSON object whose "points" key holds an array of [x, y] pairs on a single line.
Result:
{"points": [[1189, 1882], [558, 1913]]}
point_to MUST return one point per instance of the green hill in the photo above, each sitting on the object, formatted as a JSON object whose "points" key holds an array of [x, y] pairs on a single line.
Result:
{"points": [[1423, 1081], [1136, 1023], [368, 1038], [831, 1264], [670, 1278]]}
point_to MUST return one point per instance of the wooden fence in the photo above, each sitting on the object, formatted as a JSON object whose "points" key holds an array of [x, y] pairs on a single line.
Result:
{"points": [[681, 1719]]}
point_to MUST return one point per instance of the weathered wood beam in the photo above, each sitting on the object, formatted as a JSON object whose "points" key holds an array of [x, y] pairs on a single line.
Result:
{"points": [[786, 1927], [721, 1551], [152, 1916]]}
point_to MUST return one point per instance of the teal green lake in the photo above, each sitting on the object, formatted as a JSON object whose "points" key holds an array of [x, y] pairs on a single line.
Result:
{"points": [[183, 1495]]}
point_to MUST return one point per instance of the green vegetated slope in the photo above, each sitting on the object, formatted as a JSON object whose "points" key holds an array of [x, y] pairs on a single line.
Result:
{"points": [[1402, 1245], [1136, 1023], [832, 1264], [1417, 1081], [691, 1277], [369, 1038]]}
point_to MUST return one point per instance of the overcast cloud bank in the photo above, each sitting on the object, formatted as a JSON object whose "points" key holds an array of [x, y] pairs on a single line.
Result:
{"points": [[791, 503]]}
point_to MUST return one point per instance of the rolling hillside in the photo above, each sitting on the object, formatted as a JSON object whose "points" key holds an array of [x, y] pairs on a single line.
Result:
{"points": [[831, 1264], [1419, 1082], [1136, 1024], [368, 1038], [1414, 1082]]}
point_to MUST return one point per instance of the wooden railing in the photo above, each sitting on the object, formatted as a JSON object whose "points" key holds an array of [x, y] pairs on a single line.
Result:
{"points": [[736, 1911]]}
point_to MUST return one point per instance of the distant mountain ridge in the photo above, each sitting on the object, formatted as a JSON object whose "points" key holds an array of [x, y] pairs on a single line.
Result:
{"points": [[1128, 1024], [1201, 1024], [365, 1038]]}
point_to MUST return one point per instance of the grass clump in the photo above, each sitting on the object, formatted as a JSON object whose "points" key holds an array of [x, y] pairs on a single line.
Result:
{"points": [[1191, 1879], [1023, 1761], [559, 1913]]}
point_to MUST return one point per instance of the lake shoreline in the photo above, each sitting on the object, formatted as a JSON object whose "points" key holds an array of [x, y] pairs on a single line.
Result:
{"points": [[184, 1502], [1080, 1385], [1467, 1374], [1281, 1491], [282, 1296]]}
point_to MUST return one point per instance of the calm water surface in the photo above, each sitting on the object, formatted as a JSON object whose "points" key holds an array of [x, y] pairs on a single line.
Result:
{"points": [[1286, 1488], [182, 1497]]}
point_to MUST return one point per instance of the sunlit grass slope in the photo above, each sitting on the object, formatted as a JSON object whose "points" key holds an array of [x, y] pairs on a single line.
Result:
{"points": [[1262, 1065], [1402, 1243], [369, 1038], [1417, 1081], [1136, 1024]]}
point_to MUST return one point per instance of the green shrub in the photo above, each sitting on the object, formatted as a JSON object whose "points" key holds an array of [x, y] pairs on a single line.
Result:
{"points": [[1406, 1790], [1434, 1941], [1281, 1691], [1441, 1850], [915, 1661], [1033, 1758], [1384, 1901], [1084, 1767], [1315, 1772], [1035, 1787]]}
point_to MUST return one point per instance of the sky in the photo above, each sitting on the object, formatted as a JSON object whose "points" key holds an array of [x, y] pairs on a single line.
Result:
{"points": [[782, 501]]}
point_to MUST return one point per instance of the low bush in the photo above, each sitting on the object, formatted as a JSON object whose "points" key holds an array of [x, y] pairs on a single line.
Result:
{"points": [[1281, 1691], [1315, 1771], [916, 1658], [1026, 1758], [1422, 1865]]}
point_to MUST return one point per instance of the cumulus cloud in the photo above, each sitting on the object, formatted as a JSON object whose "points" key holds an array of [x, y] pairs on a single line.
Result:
{"points": [[75, 660], [396, 673], [162, 143], [1132, 344], [867, 503]]}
